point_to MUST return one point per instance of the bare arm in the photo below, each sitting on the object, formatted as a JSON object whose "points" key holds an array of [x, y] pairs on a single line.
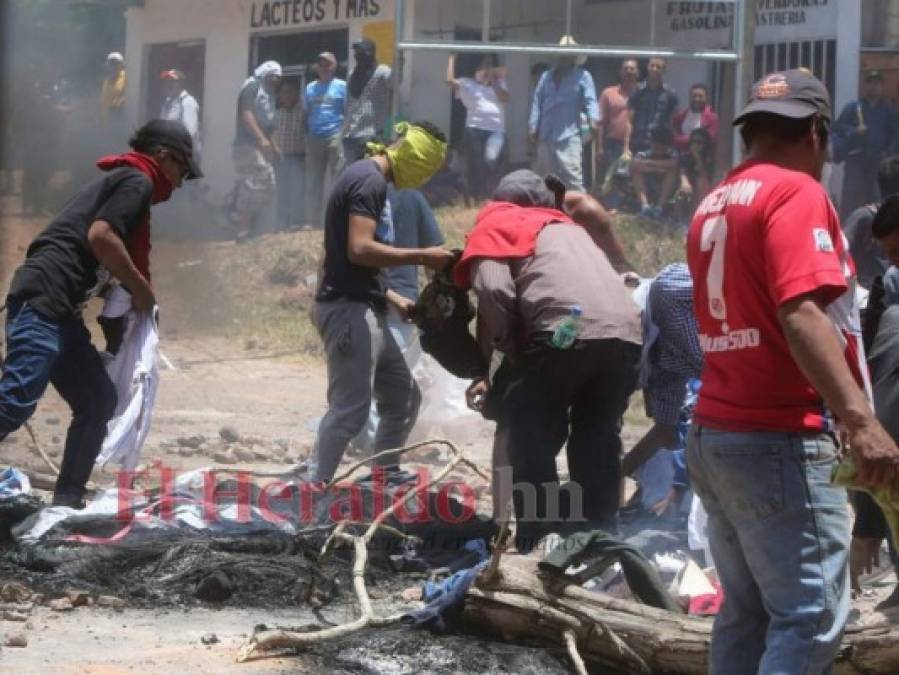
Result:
{"points": [[587, 211], [501, 93], [815, 346], [400, 302], [451, 72], [362, 249], [109, 249]]}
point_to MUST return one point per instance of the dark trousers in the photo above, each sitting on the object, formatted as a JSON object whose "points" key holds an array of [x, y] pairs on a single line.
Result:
{"points": [[578, 395], [44, 351], [859, 183], [483, 154]]}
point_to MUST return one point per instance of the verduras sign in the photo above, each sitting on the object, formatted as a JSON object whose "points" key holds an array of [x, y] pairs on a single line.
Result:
{"points": [[285, 13]]}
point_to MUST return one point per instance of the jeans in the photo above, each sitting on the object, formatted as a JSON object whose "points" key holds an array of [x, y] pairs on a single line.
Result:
{"points": [[779, 533], [576, 396], [354, 149], [364, 364], [324, 160], [44, 351], [564, 159], [482, 152], [291, 186]]}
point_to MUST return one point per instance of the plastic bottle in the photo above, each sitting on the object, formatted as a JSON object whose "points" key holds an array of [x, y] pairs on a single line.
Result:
{"points": [[567, 331]]}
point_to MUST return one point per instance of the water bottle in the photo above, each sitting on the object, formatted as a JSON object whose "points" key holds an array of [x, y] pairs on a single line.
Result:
{"points": [[567, 331]]}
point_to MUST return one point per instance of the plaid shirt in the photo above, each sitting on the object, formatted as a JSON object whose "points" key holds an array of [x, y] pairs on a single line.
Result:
{"points": [[367, 115], [289, 132], [671, 355]]}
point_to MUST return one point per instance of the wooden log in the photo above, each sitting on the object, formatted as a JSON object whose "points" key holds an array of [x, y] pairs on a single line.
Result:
{"points": [[519, 605]]}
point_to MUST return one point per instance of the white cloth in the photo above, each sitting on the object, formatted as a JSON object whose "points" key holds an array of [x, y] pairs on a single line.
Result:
{"points": [[135, 373], [268, 68], [484, 109], [692, 120], [185, 109]]}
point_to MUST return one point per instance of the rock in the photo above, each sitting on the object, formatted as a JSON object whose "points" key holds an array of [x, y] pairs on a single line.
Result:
{"points": [[224, 457], [229, 434], [216, 587], [243, 454], [110, 601], [278, 451], [187, 452], [15, 640], [14, 591], [287, 459], [56, 440], [52, 421], [194, 441], [61, 605], [13, 616], [76, 597], [53, 452], [250, 441], [209, 639], [282, 443], [260, 454]]}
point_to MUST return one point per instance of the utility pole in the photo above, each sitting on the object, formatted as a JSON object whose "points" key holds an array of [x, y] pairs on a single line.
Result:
{"points": [[744, 27]]}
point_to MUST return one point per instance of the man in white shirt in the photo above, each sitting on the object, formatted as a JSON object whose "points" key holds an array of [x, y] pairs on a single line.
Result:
{"points": [[180, 106], [484, 97]]}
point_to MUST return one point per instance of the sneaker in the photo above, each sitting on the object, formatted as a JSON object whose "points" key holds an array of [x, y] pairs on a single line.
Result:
{"points": [[646, 211], [655, 212], [71, 501]]}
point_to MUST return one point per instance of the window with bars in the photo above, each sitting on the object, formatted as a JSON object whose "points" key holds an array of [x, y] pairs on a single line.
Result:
{"points": [[820, 56]]}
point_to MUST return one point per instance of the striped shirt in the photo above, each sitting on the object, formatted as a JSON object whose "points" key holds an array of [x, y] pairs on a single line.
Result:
{"points": [[367, 115]]}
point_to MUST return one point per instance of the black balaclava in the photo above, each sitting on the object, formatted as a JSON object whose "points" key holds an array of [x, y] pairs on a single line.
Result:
{"points": [[365, 67]]}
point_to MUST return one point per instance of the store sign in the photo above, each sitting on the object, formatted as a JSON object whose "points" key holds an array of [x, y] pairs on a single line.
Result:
{"points": [[297, 13], [710, 24]]}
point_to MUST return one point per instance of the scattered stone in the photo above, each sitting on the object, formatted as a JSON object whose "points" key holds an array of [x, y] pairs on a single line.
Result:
{"points": [[38, 599], [16, 640], [53, 452], [287, 459], [13, 616], [76, 597], [229, 434], [110, 601], [14, 591], [306, 449], [278, 451], [250, 441], [56, 440], [185, 451], [224, 457], [260, 454], [217, 587], [194, 441], [209, 639], [282, 443], [52, 421], [61, 605], [243, 454]]}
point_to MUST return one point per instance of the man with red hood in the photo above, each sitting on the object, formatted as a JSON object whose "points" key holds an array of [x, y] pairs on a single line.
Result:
{"points": [[530, 264], [103, 230]]}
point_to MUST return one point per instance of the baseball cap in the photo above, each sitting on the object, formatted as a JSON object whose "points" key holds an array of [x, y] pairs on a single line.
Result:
{"points": [[524, 188], [115, 56], [789, 93], [327, 56], [174, 136], [173, 74], [873, 74]]}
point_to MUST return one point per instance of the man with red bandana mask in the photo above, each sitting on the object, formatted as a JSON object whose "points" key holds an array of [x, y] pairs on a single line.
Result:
{"points": [[106, 224]]}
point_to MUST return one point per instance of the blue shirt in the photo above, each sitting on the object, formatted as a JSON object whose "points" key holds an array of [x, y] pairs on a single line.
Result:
{"points": [[325, 105], [674, 356], [556, 110], [880, 120], [414, 226]]}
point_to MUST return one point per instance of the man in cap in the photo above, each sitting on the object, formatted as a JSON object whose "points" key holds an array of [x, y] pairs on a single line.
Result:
{"points": [[369, 92], [530, 264], [254, 150], [325, 100], [112, 99], [783, 371], [364, 360], [563, 94], [178, 105], [104, 227], [864, 133]]}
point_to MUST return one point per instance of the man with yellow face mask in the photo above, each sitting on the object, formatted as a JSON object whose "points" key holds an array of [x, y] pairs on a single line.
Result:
{"points": [[364, 361]]}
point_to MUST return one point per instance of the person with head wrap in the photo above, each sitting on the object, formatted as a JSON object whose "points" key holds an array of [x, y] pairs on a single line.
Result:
{"points": [[364, 361], [531, 263], [103, 230], [254, 150], [369, 93], [325, 103]]}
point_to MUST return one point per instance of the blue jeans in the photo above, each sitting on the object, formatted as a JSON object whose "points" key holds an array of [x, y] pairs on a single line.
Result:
{"points": [[564, 159], [779, 533], [482, 152], [44, 351], [291, 189]]}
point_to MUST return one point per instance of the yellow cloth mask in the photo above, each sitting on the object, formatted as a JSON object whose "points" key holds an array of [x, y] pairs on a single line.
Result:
{"points": [[413, 160]]}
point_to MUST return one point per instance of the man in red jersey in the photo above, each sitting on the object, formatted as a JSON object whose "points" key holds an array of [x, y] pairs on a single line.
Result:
{"points": [[784, 369]]}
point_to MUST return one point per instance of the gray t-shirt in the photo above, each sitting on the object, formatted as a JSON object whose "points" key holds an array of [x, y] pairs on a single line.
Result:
{"points": [[870, 262], [414, 226], [254, 97]]}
